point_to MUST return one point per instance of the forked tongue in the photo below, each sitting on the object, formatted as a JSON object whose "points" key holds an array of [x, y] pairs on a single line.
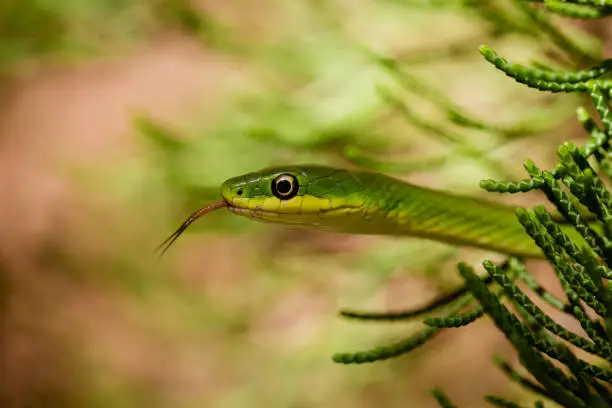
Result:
{"points": [[202, 211]]}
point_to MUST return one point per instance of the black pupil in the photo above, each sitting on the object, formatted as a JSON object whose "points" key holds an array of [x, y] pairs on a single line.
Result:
{"points": [[283, 186]]}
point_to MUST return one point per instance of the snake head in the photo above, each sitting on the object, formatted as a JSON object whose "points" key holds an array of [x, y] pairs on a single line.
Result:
{"points": [[313, 196], [299, 195]]}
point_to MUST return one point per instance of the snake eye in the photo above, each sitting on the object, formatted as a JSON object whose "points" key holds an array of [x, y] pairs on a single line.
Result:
{"points": [[285, 186]]}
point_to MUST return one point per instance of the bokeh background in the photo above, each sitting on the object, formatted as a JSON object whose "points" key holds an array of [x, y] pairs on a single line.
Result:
{"points": [[120, 117]]}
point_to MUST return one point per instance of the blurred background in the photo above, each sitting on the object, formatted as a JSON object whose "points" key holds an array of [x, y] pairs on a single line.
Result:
{"points": [[119, 118]]}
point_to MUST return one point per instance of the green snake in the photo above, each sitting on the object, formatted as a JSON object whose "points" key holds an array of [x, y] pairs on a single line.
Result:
{"points": [[365, 202]]}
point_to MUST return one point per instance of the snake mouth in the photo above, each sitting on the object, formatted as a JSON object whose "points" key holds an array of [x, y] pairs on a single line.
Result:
{"points": [[262, 214]]}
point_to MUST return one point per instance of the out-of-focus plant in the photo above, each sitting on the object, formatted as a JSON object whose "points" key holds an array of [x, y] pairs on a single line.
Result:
{"points": [[354, 96], [35, 30]]}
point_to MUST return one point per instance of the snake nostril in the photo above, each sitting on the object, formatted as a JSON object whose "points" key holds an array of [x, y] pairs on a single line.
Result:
{"points": [[239, 192]]}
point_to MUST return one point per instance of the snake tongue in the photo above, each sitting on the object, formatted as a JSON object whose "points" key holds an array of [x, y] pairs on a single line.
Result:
{"points": [[200, 212]]}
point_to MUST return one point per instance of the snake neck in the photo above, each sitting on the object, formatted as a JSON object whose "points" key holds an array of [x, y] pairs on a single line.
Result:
{"points": [[402, 209]]}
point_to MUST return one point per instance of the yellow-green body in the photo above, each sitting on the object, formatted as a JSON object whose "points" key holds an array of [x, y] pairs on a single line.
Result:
{"points": [[362, 202]]}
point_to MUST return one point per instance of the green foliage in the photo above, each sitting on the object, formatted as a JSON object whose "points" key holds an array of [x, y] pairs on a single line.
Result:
{"points": [[580, 81], [31, 30], [442, 399], [575, 10], [581, 258]]}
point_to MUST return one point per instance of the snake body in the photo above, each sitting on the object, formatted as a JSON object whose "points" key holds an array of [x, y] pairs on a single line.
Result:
{"points": [[364, 202]]}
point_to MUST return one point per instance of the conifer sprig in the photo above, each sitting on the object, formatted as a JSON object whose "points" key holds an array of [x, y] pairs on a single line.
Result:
{"points": [[576, 239]]}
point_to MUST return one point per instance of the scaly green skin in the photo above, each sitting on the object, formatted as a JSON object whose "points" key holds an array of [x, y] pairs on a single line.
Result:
{"points": [[361, 202]]}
